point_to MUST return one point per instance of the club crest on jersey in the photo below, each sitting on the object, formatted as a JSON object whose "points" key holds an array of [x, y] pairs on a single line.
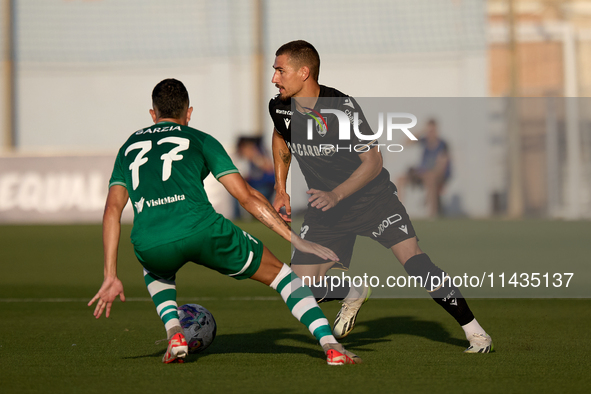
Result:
{"points": [[319, 123], [321, 129]]}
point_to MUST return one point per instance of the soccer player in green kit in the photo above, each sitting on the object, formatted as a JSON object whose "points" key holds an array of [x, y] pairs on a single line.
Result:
{"points": [[161, 169]]}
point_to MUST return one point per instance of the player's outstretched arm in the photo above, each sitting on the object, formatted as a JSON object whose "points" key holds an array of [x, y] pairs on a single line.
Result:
{"points": [[258, 206], [112, 286], [110, 289], [281, 161], [371, 166]]}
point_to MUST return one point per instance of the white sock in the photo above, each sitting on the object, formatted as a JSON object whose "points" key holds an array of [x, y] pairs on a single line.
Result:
{"points": [[354, 293], [473, 328], [327, 339], [173, 330], [302, 304]]}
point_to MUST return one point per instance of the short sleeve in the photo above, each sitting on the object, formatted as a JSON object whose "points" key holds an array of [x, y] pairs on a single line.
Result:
{"points": [[271, 113], [118, 176], [217, 159]]}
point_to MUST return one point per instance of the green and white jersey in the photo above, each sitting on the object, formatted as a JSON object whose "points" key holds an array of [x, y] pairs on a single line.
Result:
{"points": [[163, 168]]}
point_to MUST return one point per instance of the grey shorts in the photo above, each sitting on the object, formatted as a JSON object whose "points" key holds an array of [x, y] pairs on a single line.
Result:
{"points": [[384, 221]]}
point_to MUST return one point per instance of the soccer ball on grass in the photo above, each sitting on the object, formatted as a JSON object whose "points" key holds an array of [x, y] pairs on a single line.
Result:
{"points": [[198, 326]]}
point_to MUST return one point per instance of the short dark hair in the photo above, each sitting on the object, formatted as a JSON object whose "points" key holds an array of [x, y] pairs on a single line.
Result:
{"points": [[170, 98], [302, 53]]}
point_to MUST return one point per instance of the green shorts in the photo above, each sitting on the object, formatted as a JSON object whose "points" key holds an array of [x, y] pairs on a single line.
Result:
{"points": [[223, 247]]}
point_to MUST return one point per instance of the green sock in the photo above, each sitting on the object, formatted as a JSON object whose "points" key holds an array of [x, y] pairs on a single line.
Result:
{"points": [[302, 304], [163, 293]]}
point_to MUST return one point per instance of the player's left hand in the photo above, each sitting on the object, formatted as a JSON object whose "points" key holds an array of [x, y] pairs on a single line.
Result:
{"points": [[322, 200], [110, 289], [313, 248]]}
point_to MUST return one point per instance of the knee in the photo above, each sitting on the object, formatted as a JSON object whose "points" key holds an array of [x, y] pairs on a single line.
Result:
{"points": [[268, 269], [406, 249]]}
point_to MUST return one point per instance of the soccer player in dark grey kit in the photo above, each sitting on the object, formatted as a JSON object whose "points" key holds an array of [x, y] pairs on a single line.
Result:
{"points": [[161, 169], [350, 193]]}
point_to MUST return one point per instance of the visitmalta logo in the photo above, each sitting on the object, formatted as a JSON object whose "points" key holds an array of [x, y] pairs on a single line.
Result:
{"points": [[139, 206]]}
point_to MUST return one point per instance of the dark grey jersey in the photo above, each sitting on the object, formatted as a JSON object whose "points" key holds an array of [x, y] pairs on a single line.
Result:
{"points": [[312, 135]]}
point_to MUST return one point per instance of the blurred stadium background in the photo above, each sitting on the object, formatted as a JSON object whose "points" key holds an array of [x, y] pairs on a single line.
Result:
{"points": [[75, 81], [77, 75]]}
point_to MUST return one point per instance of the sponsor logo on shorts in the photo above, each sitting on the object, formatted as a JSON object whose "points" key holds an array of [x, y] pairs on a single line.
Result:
{"points": [[403, 229], [139, 206], [387, 223]]}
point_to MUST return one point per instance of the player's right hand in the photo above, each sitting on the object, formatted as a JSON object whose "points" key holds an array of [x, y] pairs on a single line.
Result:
{"points": [[110, 289], [310, 247], [282, 200]]}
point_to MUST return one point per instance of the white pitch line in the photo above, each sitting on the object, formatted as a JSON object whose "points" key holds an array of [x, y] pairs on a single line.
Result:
{"points": [[139, 299]]}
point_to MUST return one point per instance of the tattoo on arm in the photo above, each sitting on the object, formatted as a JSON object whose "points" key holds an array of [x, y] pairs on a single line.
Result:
{"points": [[285, 156], [270, 218]]}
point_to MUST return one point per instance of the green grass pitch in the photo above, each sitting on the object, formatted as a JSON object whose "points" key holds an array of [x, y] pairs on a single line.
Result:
{"points": [[50, 342]]}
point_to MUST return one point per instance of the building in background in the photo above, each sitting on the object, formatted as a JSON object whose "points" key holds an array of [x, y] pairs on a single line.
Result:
{"points": [[551, 59], [84, 70]]}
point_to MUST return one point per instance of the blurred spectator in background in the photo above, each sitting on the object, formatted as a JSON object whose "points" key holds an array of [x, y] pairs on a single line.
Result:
{"points": [[260, 174], [432, 173]]}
